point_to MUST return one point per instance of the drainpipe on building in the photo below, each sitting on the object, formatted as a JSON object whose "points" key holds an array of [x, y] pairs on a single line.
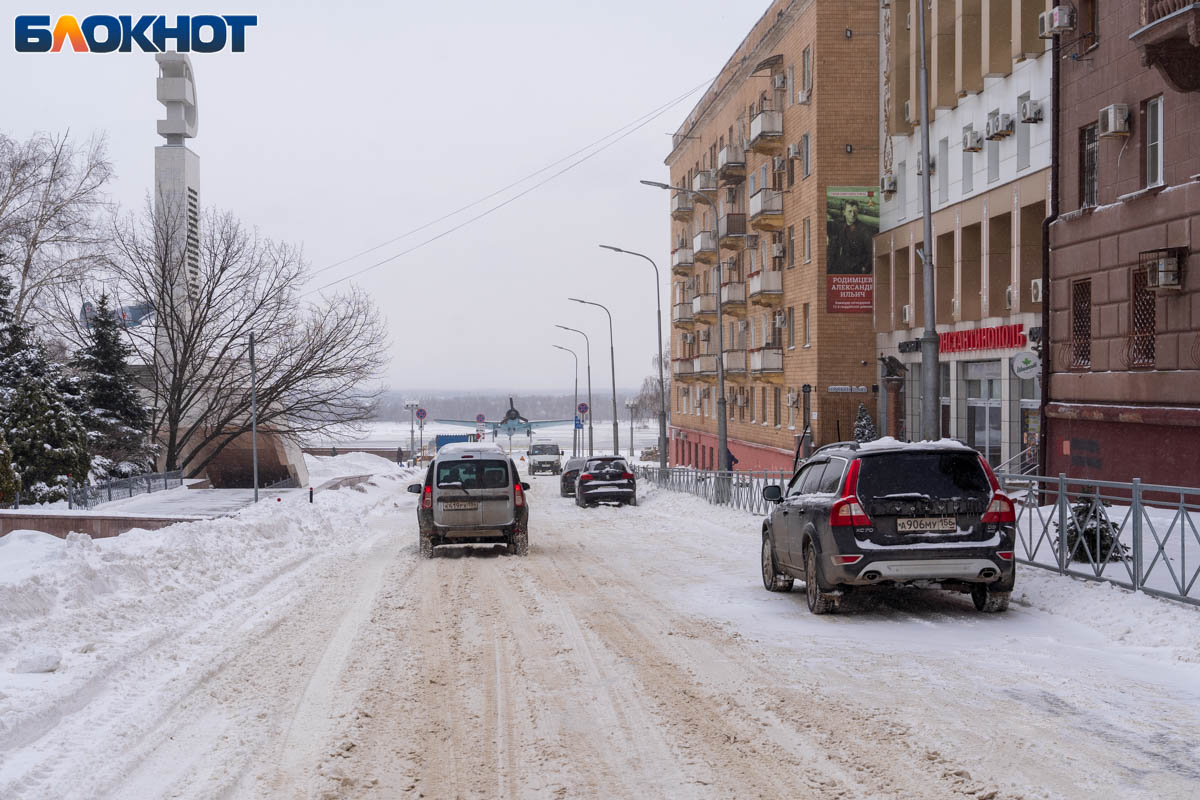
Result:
{"points": [[1047, 353]]}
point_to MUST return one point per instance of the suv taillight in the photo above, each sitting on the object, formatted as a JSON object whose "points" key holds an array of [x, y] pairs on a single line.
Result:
{"points": [[1000, 509], [587, 476], [626, 476], [427, 498], [518, 495], [848, 510]]}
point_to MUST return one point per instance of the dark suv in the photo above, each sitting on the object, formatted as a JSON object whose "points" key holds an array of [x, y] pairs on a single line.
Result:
{"points": [[605, 479], [890, 513], [570, 473]]}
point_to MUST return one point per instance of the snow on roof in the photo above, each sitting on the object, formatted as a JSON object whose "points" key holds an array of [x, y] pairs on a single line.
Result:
{"points": [[471, 447], [891, 443]]}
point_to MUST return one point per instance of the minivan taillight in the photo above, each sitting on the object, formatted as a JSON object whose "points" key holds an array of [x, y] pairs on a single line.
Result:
{"points": [[427, 498], [518, 495], [848, 510]]}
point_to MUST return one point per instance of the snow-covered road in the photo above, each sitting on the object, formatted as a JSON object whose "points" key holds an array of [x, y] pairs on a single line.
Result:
{"points": [[634, 653]]}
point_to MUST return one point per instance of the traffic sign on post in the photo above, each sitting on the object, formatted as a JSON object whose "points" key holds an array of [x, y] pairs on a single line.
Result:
{"points": [[421, 413], [583, 408], [480, 418], [578, 423]]}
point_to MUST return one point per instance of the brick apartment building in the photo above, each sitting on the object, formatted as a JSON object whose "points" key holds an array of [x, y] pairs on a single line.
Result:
{"points": [[990, 142], [1124, 388], [784, 138]]}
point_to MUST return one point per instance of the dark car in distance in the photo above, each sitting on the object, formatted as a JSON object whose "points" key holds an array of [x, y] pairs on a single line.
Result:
{"points": [[570, 473], [605, 479], [890, 513]]}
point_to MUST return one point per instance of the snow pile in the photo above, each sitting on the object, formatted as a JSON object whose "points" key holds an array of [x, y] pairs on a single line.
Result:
{"points": [[76, 609], [324, 468]]}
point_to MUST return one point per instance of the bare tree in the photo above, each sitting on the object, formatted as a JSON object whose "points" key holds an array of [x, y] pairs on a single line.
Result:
{"points": [[315, 363], [647, 400], [50, 192]]}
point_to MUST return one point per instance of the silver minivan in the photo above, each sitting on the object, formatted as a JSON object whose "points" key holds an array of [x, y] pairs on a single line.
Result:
{"points": [[472, 493]]}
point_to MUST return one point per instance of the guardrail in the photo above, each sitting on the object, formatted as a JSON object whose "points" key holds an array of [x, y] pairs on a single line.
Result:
{"points": [[1140, 536], [88, 496]]}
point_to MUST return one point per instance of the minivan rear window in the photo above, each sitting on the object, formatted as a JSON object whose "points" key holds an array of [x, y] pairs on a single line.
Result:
{"points": [[473, 474], [938, 475]]}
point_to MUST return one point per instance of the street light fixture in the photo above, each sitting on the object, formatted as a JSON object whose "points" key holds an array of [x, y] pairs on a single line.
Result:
{"points": [[722, 429], [662, 386], [612, 361], [588, 343], [575, 408]]}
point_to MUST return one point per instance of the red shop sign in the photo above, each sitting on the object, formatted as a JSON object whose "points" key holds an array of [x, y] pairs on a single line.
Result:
{"points": [[1000, 336]]}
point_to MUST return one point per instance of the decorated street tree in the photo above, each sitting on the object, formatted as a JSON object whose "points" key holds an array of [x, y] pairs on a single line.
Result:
{"points": [[864, 426]]}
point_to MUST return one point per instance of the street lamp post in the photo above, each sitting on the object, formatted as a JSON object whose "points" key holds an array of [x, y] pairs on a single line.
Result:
{"points": [[629, 405], [412, 406], [612, 360], [575, 408], [722, 429], [662, 386], [254, 415], [930, 373], [588, 344]]}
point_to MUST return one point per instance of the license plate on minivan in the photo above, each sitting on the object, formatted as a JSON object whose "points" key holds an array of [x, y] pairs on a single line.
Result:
{"points": [[460, 506], [925, 524]]}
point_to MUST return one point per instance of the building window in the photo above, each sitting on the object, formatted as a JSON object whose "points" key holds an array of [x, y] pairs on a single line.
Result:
{"points": [[993, 154], [791, 246], [943, 174], [1152, 142], [762, 398], [791, 85], [805, 161], [807, 326], [807, 239], [1023, 129], [791, 172], [806, 72], [778, 406], [791, 323], [968, 168], [752, 404], [1143, 322], [1081, 324], [1089, 182], [901, 185]]}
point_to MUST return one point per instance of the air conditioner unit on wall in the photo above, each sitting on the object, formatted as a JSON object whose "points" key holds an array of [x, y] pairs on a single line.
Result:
{"points": [[1031, 111], [1164, 272], [921, 165], [999, 126], [906, 314], [955, 306], [972, 141], [1035, 290], [1060, 19], [908, 117], [704, 335], [793, 150], [779, 81], [781, 321], [803, 96], [1114, 120], [688, 338], [779, 164], [750, 241], [778, 250], [887, 183], [1008, 296]]}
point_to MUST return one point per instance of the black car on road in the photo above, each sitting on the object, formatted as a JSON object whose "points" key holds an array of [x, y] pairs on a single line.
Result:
{"points": [[891, 513], [605, 479], [570, 473]]}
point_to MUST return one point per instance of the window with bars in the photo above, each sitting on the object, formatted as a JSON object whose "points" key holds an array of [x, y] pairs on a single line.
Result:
{"points": [[1142, 324], [1089, 181], [1081, 324]]}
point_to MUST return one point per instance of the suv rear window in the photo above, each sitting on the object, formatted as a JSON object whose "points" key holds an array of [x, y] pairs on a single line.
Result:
{"points": [[473, 474], [610, 463], [939, 475], [544, 450]]}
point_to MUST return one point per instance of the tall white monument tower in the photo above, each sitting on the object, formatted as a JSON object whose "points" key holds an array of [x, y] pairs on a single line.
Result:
{"points": [[176, 168]]}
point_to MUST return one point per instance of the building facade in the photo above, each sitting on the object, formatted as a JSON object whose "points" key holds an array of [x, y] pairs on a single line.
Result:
{"points": [[989, 168], [774, 238], [1124, 390]]}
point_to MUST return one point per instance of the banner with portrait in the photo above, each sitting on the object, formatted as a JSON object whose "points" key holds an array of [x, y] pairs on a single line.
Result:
{"points": [[851, 222]]}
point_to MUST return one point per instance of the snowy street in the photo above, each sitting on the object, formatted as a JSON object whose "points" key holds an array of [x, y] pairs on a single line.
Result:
{"points": [[306, 651]]}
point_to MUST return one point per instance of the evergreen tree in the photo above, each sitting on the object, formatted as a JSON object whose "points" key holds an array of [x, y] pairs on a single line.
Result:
{"points": [[864, 426], [8, 477], [15, 339], [116, 418], [49, 443]]}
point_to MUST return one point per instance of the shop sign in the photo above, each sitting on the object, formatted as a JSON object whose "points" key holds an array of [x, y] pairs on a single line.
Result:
{"points": [[1026, 365], [847, 389], [1000, 336]]}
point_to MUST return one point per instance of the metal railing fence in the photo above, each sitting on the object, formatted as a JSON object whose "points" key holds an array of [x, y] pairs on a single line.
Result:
{"points": [[88, 496], [1140, 536]]}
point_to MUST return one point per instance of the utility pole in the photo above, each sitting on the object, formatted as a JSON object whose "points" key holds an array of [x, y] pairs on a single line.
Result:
{"points": [[254, 415], [612, 359], [930, 374], [576, 433]]}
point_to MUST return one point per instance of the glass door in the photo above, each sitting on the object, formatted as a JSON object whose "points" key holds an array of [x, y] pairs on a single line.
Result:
{"points": [[983, 408]]}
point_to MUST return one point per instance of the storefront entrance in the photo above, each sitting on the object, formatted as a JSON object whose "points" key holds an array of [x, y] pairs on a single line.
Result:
{"points": [[984, 404]]}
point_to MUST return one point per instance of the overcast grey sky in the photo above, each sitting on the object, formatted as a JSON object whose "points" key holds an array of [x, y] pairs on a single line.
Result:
{"points": [[344, 126]]}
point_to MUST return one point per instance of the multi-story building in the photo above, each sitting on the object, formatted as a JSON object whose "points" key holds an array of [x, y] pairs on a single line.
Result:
{"points": [[1124, 391], [989, 168], [783, 138]]}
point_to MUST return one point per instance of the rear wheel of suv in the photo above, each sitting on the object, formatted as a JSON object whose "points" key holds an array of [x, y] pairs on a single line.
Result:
{"points": [[819, 602], [772, 580], [987, 600]]}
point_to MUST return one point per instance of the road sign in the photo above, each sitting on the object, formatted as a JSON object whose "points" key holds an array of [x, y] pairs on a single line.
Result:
{"points": [[583, 408], [578, 423], [480, 418], [421, 413]]}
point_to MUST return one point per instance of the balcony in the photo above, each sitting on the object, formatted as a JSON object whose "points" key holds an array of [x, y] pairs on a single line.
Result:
{"points": [[681, 206], [682, 261], [733, 298], [731, 164], [735, 362], [731, 229], [704, 307], [682, 314], [705, 367], [704, 244], [767, 363], [766, 210], [1169, 41], [766, 287], [766, 133], [681, 368], [705, 181]]}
